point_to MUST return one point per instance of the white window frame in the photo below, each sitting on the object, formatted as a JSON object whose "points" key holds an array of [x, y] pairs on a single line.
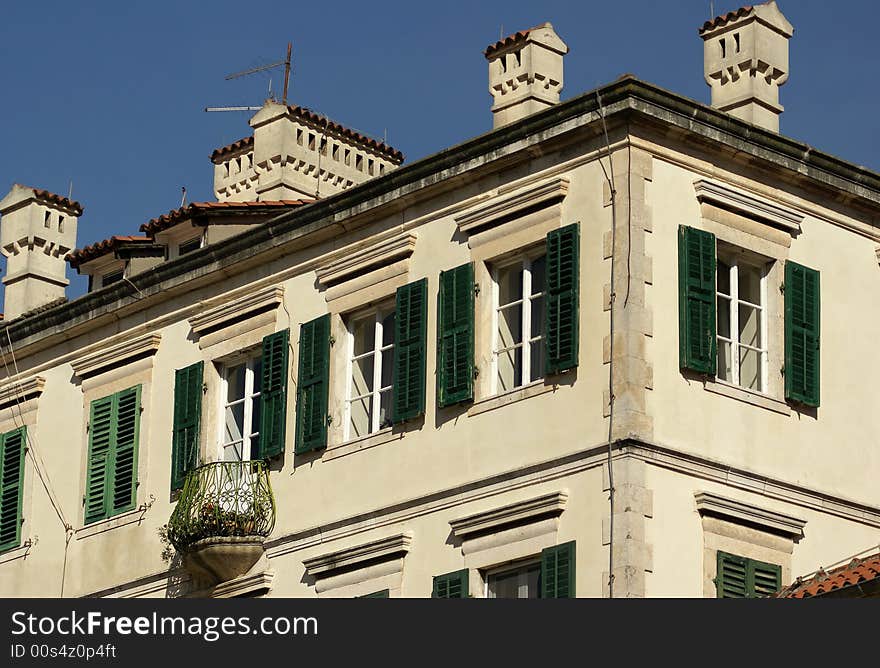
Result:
{"points": [[378, 352], [249, 395], [527, 340], [733, 300], [521, 565]]}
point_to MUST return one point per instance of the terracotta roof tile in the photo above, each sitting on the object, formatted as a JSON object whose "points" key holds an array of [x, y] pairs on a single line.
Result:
{"points": [[858, 571], [234, 147], [516, 38], [724, 19], [99, 248], [56, 199], [171, 218], [316, 119]]}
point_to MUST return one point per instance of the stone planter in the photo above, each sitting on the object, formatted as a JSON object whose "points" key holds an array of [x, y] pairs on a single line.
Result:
{"points": [[214, 560]]}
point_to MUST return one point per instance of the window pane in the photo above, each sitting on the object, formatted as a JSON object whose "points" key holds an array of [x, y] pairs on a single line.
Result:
{"points": [[538, 275], [364, 335], [234, 423], [509, 284], [504, 585], [256, 407], [723, 310], [385, 409], [532, 582], [723, 278], [388, 329], [509, 326], [235, 383], [749, 326], [360, 417], [255, 447], [509, 369], [258, 375], [536, 359], [537, 317], [750, 369], [362, 376], [724, 369], [232, 452], [387, 367], [749, 284]]}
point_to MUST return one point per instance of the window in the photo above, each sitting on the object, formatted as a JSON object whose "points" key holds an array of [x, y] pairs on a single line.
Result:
{"points": [[111, 474], [518, 349], [552, 575], [739, 577], [189, 246], [112, 277], [741, 326], [240, 389], [520, 582], [12, 448], [371, 365]]}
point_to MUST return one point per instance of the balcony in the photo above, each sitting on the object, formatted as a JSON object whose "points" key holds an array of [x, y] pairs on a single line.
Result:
{"points": [[224, 513]]}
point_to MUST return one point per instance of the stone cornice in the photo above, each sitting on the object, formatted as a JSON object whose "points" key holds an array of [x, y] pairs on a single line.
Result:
{"points": [[117, 355], [378, 254], [19, 390], [734, 199], [353, 557], [520, 512], [231, 311], [505, 205], [739, 511]]}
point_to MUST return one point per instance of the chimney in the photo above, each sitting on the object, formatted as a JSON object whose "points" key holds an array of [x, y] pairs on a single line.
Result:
{"points": [[295, 153], [37, 230], [745, 56], [525, 73]]}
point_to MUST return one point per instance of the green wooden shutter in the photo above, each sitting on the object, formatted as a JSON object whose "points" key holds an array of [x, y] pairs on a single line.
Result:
{"points": [[558, 571], [127, 410], [455, 336], [801, 334], [313, 384], [561, 313], [98, 467], [187, 418], [696, 305], [731, 580], [766, 578], [12, 449], [739, 577], [273, 395], [411, 317], [451, 585], [382, 593]]}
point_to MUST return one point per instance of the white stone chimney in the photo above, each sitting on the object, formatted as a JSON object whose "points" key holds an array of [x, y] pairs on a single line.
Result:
{"points": [[745, 56], [295, 153], [37, 230], [525, 73]]}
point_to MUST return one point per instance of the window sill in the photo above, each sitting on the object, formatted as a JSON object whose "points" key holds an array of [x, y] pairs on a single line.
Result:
{"points": [[20, 552], [511, 396], [748, 396], [363, 443], [129, 517]]}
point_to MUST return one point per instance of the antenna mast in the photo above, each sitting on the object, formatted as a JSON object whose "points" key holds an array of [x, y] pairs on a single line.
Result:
{"points": [[262, 68]]}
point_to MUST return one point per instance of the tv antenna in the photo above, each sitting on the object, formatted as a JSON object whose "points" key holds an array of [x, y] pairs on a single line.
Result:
{"points": [[254, 70]]}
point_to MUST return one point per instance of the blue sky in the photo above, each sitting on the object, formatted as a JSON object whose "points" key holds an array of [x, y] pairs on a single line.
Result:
{"points": [[110, 95]]}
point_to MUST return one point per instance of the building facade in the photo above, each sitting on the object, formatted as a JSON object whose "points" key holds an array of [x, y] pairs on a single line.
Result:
{"points": [[620, 345]]}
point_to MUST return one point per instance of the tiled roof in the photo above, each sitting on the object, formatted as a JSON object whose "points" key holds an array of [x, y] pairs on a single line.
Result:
{"points": [[171, 218], [234, 147], [316, 119], [99, 248], [510, 40], [56, 199], [858, 571], [724, 19]]}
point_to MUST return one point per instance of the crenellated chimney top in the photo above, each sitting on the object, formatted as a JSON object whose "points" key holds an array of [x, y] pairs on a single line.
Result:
{"points": [[525, 73], [745, 59]]}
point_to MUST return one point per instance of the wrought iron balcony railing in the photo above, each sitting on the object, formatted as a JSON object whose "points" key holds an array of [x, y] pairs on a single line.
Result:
{"points": [[223, 499]]}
